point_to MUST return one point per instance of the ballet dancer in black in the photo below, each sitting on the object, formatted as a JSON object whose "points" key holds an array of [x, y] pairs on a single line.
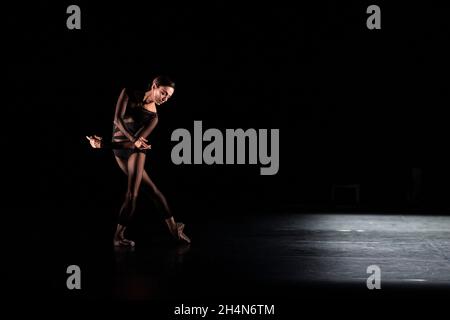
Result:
{"points": [[135, 118]]}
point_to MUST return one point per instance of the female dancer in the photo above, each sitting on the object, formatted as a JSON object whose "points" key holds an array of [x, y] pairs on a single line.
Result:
{"points": [[135, 118]]}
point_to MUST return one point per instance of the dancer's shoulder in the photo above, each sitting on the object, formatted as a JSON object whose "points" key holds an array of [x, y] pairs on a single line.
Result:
{"points": [[134, 94]]}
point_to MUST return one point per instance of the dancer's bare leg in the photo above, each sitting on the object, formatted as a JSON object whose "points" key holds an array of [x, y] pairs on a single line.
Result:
{"points": [[175, 229], [119, 235], [134, 167]]}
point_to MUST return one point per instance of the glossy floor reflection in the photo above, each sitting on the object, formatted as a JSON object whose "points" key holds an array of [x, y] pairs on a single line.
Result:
{"points": [[289, 256]]}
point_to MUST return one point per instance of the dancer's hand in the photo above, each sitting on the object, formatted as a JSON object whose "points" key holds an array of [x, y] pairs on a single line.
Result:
{"points": [[141, 143], [95, 141]]}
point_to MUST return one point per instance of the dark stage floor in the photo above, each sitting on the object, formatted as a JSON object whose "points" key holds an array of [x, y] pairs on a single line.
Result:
{"points": [[286, 257]]}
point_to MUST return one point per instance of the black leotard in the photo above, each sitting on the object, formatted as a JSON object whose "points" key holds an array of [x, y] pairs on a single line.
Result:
{"points": [[138, 121]]}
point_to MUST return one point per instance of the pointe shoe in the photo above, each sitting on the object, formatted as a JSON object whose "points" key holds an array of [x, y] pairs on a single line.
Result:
{"points": [[131, 243], [180, 234], [124, 243]]}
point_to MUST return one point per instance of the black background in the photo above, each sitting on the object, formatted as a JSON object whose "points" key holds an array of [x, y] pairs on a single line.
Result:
{"points": [[351, 104]]}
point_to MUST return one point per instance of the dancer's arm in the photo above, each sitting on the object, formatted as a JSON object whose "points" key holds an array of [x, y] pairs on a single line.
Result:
{"points": [[145, 132], [98, 143], [121, 107]]}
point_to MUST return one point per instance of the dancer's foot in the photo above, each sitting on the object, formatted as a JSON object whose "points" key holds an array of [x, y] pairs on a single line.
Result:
{"points": [[178, 233], [122, 242], [119, 238]]}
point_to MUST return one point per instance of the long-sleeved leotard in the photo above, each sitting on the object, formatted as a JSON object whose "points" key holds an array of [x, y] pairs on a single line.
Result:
{"points": [[131, 121]]}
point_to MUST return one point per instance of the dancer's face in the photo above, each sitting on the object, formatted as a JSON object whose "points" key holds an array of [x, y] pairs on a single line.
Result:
{"points": [[161, 94]]}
